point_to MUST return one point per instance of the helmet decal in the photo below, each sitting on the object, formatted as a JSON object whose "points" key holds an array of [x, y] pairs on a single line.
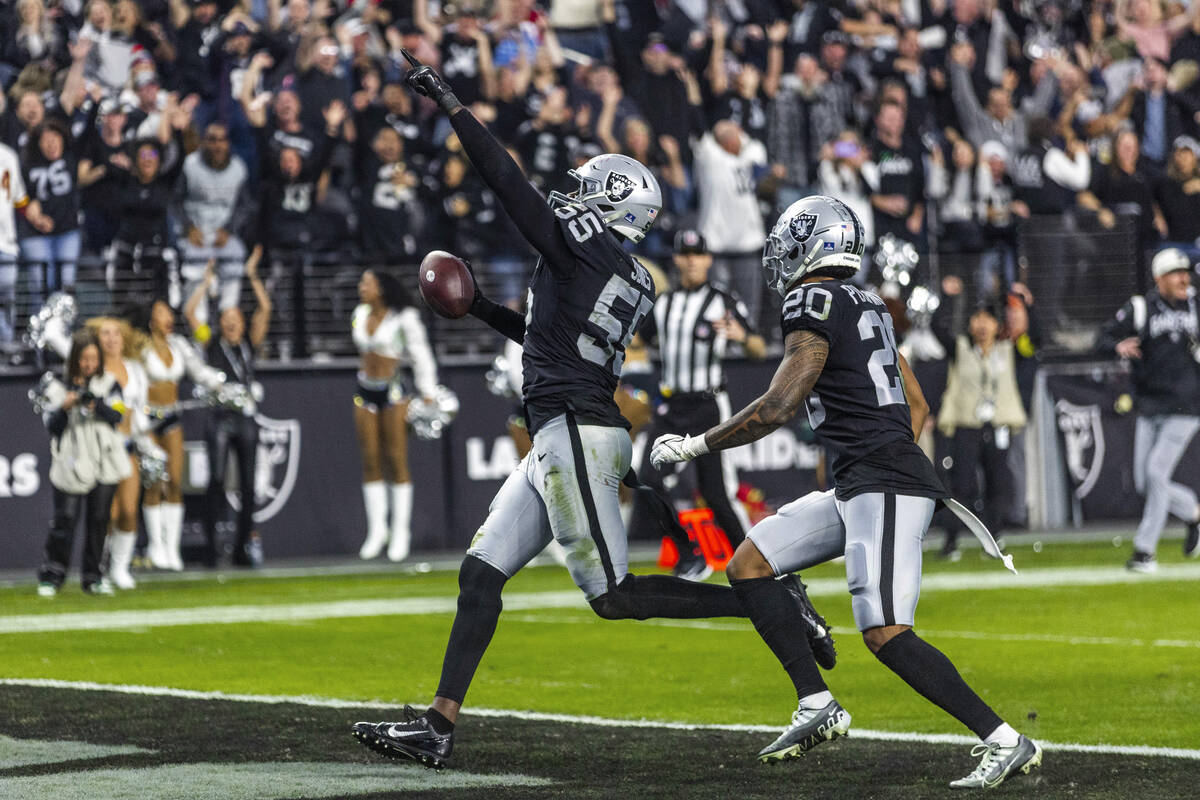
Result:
{"points": [[618, 186], [802, 226]]}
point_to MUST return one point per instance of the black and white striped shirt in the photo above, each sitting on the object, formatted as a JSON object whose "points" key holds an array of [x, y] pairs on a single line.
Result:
{"points": [[690, 347]]}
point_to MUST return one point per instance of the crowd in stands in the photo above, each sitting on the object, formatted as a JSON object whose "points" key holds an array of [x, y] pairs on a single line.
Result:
{"points": [[159, 134]]}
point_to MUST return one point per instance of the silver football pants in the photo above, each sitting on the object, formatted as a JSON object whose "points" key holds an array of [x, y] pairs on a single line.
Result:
{"points": [[880, 536], [566, 489]]}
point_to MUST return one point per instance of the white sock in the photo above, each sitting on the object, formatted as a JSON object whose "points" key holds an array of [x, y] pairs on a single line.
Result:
{"points": [[401, 516], [1004, 736], [375, 501], [816, 701]]}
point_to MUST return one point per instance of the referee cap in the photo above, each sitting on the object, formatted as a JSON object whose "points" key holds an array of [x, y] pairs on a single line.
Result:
{"points": [[1170, 260], [689, 241]]}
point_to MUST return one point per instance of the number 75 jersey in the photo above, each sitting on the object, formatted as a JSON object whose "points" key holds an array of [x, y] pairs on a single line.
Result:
{"points": [[858, 408], [581, 317]]}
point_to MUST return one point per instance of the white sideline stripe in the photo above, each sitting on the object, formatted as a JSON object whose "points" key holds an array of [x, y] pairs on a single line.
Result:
{"points": [[1050, 638], [525, 601], [603, 722], [293, 612]]}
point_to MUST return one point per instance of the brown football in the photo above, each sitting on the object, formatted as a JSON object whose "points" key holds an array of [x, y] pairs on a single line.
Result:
{"points": [[446, 284]]}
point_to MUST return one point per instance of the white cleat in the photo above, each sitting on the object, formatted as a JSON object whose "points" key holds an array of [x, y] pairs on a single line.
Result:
{"points": [[810, 727], [1001, 763]]}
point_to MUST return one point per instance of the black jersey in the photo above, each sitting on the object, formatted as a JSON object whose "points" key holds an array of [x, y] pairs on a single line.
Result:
{"points": [[858, 408], [580, 319]]}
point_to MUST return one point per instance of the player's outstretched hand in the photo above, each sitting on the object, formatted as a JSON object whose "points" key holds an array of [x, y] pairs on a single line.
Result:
{"points": [[425, 81], [670, 448]]}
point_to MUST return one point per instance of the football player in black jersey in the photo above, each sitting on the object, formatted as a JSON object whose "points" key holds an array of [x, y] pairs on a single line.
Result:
{"points": [[587, 299], [863, 402]]}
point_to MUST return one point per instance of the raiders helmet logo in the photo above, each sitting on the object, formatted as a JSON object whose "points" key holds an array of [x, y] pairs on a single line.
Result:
{"points": [[802, 226], [618, 186]]}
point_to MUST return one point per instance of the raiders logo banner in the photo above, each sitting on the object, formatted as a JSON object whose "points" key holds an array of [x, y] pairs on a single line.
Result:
{"points": [[1096, 431], [276, 467]]}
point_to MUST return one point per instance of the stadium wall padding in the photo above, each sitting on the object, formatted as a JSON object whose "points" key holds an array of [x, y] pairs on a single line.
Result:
{"points": [[318, 511]]}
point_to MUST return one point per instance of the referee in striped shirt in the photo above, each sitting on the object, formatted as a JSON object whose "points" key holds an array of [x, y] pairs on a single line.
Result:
{"points": [[692, 327]]}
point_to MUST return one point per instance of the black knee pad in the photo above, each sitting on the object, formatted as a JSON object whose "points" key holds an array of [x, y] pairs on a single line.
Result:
{"points": [[479, 584]]}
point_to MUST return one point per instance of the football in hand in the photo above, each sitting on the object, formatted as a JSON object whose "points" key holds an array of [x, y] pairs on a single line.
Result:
{"points": [[447, 285]]}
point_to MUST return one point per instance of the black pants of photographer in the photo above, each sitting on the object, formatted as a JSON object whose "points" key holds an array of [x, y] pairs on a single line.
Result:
{"points": [[230, 432], [692, 414], [95, 508], [980, 453]]}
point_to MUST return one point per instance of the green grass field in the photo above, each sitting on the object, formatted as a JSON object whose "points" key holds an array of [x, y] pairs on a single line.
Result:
{"points": [[1072, 651]]}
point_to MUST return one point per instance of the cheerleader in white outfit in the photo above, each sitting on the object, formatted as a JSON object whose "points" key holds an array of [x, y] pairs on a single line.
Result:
{"points": [[388, 333], [120, 347], [167, 358]]}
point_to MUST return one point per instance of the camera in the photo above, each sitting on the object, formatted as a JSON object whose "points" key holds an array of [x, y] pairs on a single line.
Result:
{"points": [[845, 149]]}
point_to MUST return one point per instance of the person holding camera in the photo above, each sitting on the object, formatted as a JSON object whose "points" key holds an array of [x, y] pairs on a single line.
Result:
{"points": [[981, 411], [87, 461], [1159, 333]]}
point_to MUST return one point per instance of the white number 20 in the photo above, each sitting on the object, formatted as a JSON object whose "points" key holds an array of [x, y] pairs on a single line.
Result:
{"points": [[888, 390]]}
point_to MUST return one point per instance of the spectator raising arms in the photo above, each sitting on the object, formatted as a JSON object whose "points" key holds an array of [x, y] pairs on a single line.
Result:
{"points": [[216, 211], [728, 165]]}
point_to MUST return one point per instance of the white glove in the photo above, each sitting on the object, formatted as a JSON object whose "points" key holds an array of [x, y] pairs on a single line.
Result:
{"points": [[671, 448]]}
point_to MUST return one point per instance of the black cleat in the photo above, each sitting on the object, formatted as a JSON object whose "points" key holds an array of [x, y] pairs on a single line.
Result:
{"points": [[692, 566], [820, 638], [1191, 542], [414, 739]]}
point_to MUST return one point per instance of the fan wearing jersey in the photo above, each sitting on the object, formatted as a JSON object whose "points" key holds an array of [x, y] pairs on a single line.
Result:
{"points": [[14, 199], [387, 332], [587, 298], [863, 403], [167, 359]]}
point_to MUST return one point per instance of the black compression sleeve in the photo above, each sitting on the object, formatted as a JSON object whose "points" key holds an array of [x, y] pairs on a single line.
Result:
{"points": [[56, 422], [524, 205], [107, 413], [502, 319]]}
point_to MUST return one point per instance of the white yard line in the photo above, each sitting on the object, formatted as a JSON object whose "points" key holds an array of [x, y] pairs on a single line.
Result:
{"points": [[517, 601], [1048, 638], [607, 722]]}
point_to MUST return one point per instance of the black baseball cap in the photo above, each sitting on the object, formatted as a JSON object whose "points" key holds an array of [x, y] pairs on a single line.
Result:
{"points": [[689, 241]]}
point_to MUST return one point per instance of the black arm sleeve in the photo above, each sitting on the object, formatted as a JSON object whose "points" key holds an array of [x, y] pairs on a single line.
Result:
{"points": [[524, 205], [502, 319], [56, 423], [107, 413], [1117, 329], [943, 325]]}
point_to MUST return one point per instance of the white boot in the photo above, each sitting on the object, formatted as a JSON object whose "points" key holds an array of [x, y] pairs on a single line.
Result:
{"points": [[401, 515], [172, 527], [375, 499], [120, 554], [155, 547]]}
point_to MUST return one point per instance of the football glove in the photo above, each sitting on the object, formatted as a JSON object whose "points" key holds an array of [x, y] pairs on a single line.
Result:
{"points": [[425, 81], [671, 448]]}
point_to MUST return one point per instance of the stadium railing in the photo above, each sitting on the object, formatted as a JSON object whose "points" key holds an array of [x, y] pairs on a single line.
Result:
{"points": [[1078, 272]]}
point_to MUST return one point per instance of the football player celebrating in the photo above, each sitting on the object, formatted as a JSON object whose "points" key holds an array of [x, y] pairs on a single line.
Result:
{"points": [[587, 298], [864, 404]]}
